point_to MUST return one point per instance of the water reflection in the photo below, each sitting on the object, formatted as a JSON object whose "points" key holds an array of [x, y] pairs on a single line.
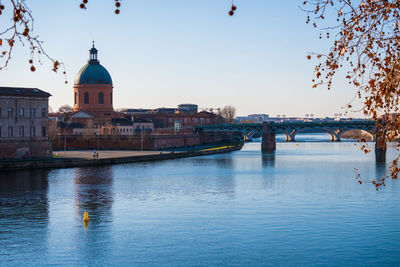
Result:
{"points": [[23, 205], [23, 196], [93, 191], [380, 163], [224, 161], [268, 159]]}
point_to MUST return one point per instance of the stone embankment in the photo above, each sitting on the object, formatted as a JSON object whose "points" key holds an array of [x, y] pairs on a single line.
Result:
{"points": [[84, 158]]}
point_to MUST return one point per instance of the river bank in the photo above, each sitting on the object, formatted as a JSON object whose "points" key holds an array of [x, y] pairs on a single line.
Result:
{"points": [[107, 157]]}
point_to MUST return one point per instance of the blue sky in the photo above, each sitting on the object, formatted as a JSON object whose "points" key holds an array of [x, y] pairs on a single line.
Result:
{"points": [[161, 53]]}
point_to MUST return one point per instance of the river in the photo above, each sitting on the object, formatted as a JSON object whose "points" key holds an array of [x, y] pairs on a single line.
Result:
{"points": [[299, 206]]}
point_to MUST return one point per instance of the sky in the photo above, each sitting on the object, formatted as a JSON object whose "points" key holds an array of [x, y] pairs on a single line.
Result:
{"points": [[161, 53]]}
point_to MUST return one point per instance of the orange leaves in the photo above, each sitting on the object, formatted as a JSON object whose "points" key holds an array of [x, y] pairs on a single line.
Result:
{"points": [[56, 64], [366, 45], [372, 83]]}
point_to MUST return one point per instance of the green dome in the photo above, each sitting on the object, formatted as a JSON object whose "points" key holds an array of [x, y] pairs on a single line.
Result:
{"points": [[93, 73]]}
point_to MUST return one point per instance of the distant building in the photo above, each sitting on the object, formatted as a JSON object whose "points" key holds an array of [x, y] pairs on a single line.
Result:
{"points": [[253, 118], [24, 123], [118, 126], [188, 108], [140, 125], [258, 117]]}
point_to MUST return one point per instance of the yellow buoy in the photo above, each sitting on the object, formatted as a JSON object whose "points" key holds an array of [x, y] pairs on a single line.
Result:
{"points": [[86, 216]]}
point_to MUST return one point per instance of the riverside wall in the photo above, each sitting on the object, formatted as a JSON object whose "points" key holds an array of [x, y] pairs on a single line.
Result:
{"points": [[17, 148], [133, 142], [74, 162]]}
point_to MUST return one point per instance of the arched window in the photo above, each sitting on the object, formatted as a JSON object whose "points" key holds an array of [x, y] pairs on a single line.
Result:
{"points": [[101, 98], [76, 95], [111, 98], [86, 98]]}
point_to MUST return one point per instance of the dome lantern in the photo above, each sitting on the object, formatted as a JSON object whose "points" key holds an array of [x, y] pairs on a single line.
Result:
{"points": [[93, 72], [93, 55]]}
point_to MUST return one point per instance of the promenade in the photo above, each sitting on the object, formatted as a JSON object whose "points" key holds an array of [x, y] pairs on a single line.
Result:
{"points": [[104, 154], [85, 158]]}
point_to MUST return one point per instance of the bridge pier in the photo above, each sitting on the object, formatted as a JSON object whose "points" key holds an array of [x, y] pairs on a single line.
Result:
{"points": [[380, 144], [268, 138]]}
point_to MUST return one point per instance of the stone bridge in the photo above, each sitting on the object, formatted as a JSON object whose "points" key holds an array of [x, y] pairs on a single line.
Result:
{"points": [[268, 130]]}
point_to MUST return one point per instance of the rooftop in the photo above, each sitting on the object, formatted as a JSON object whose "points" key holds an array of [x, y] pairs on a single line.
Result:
{"points": [[20, 91]]}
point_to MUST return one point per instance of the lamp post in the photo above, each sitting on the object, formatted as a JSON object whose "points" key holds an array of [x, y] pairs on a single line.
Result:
{"points": [[141, 139], [65, 137], [66, 119], [98, 138]]}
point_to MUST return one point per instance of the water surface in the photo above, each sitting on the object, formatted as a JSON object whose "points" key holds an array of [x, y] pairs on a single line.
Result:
{"points": [[298, 206]]}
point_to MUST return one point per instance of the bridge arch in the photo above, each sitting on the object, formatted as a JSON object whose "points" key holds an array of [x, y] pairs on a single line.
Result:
{"points": [[370, 135], [334, 134]]}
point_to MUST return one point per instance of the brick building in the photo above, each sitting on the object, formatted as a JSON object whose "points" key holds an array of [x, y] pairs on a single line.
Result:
{"points": [[93, 89], [24, 123], [173, 118]]}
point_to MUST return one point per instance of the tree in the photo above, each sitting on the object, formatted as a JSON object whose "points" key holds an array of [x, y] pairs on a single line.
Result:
{"points": [[21, 29], [367, 45], [228, 113], [65, 109]]}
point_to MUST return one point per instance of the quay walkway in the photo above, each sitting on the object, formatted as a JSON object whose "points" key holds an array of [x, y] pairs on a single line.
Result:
{"points": [[107, 157]]}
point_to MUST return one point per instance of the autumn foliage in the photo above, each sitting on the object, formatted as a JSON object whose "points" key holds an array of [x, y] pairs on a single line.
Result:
{"points": [[366, 45]]}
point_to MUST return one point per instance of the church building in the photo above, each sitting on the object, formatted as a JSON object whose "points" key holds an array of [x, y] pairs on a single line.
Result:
{"points": [[93, 89]]}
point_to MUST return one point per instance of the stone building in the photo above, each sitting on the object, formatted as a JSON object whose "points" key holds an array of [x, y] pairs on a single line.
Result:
{"points": [[24, 123]]}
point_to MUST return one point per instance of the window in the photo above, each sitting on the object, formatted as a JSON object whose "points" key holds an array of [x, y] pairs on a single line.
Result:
{"points": [[44, 113], [208, 120], [33, 112], [10, 131], [0, 131], [202, 120], [170, 120], [101, 98], [75, 96], [111, 98], [0, 112], [195, 120], [21, 132], [33, 131], [10, 112], [86, 98], [43, 131], [21, 112]]}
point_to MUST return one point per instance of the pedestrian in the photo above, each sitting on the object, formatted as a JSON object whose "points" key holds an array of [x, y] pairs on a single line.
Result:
{"points": [[97, 155]]}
